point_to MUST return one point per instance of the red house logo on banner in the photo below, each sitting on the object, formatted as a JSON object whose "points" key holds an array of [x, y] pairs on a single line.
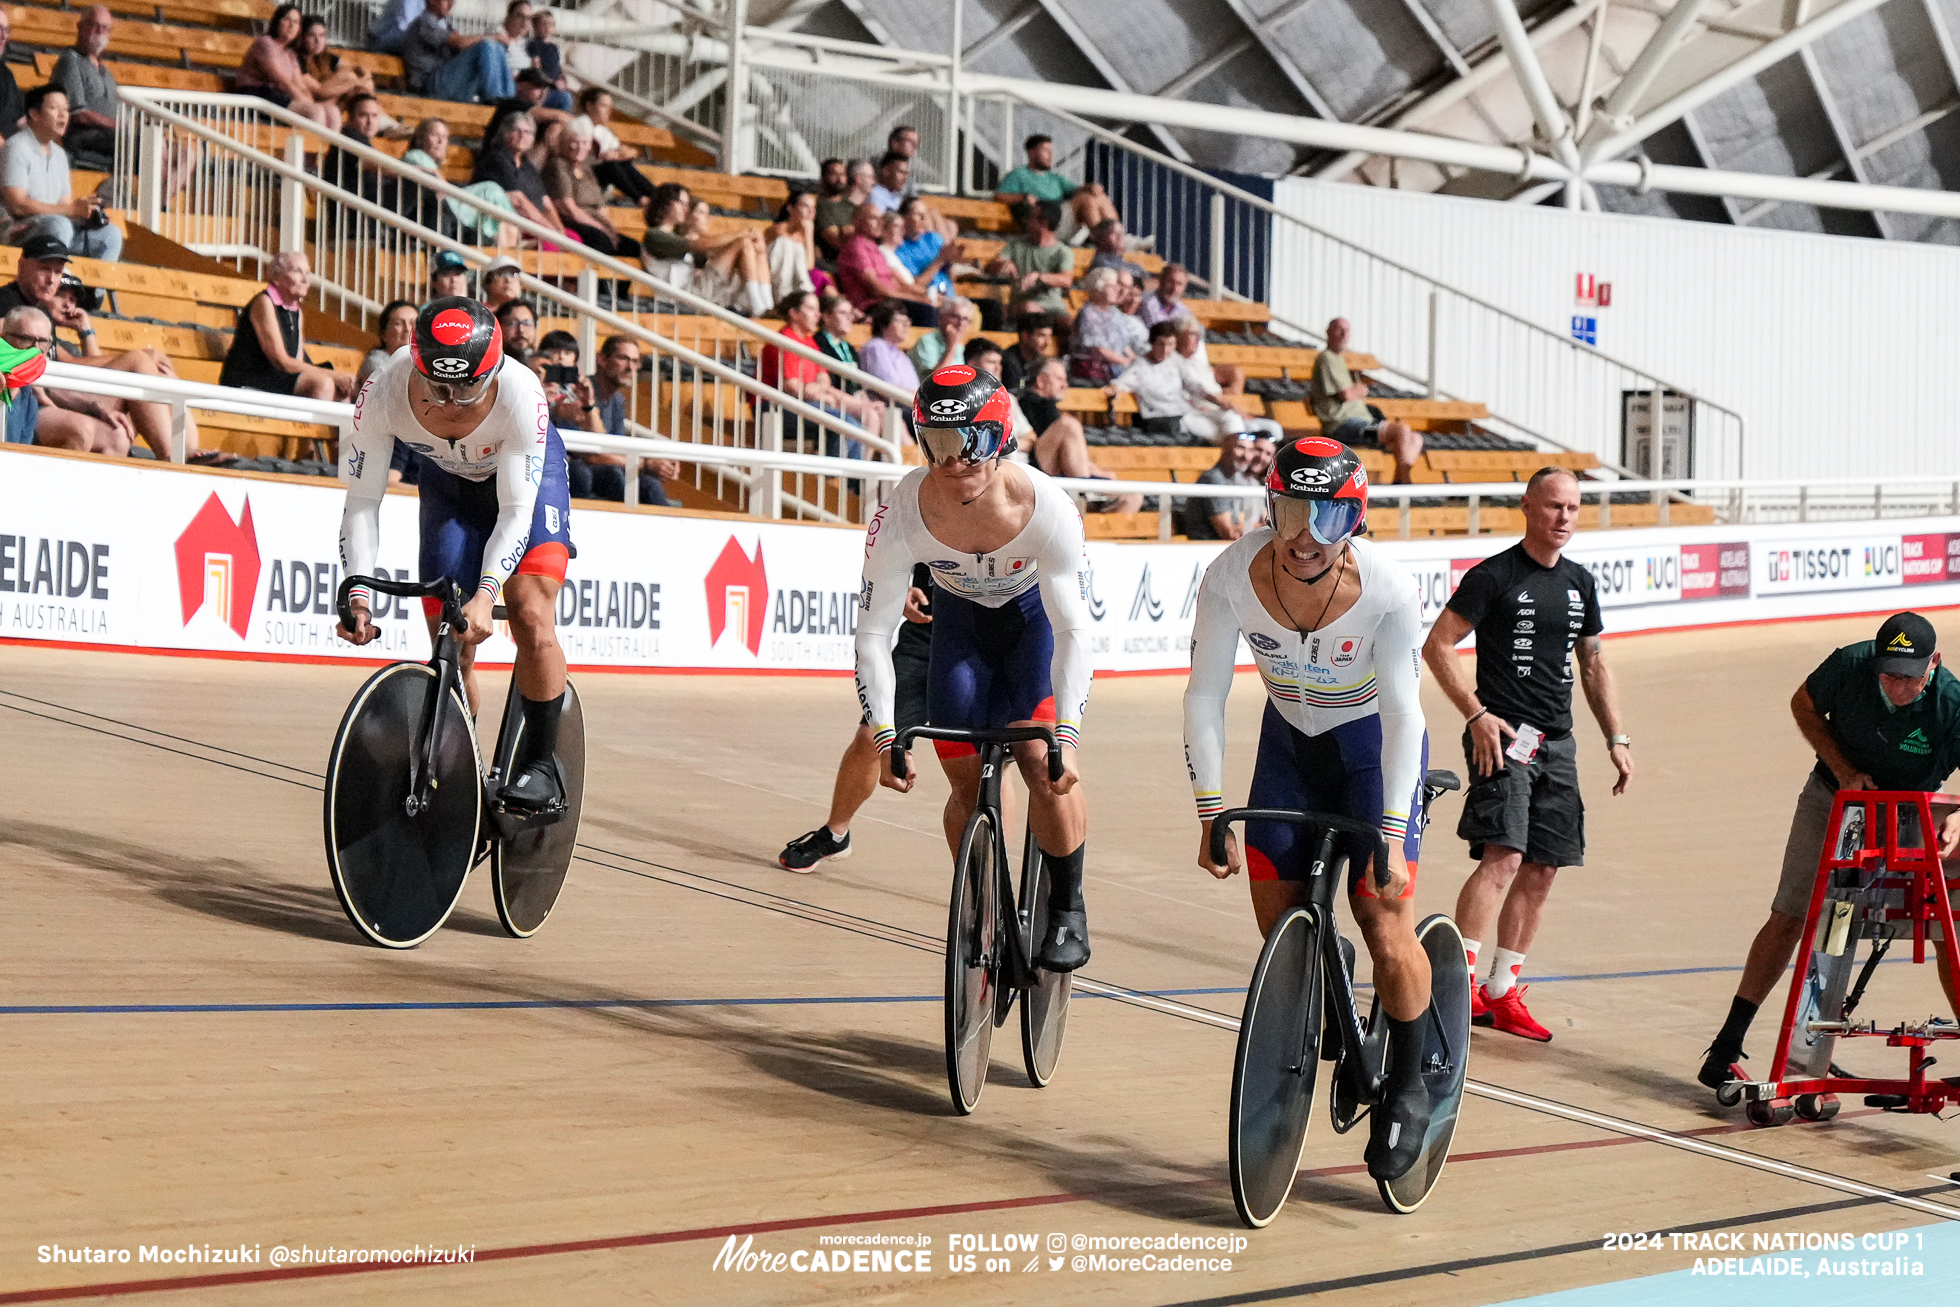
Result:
{"points": [[218, 565], [738, 596]]}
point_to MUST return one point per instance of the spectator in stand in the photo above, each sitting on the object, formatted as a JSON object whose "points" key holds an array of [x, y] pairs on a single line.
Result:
{"points": [[601, 401], [1265, 448], [581, 201], [1172, 399], [836, 317], [12, 110], [1112, 247], [326, 75], [504, 160], [34, 185], [664, 248], [958, 319], [1166, 302], [527, 96], [498, 283], [894, 182], [560, 347], [883, 356], [449, 274], [802, 315], [388, 29], [614, 164], [1105, 340], [1225, 519], [38, 283], [347, 170], [541, 44], [444, 65], [396, 327], [36, 418], [91, 92], [836, 206], [1225, 381], [1033, 346], [1339, 401], [427, 148], [904, 141], [865, 277], [1130, 298], [271, 71], [516, 40], [29, 329], [266, 351], [730, 268], [519, 325], [1042, 267], [1061, 447], [792, 244], [1038, 180], [926, 235]]}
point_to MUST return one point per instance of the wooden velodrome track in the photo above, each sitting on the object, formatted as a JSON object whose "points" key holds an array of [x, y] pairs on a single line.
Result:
{"points": [[196, 1050]]}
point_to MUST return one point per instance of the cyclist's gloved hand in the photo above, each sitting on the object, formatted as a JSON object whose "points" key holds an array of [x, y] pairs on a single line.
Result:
{"points": [[364, 630]]}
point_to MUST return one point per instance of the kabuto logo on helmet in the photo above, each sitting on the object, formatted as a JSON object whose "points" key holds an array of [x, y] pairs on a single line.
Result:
{"points": [[449, 367], [451, 327], [1307, 478], [947, 408]]}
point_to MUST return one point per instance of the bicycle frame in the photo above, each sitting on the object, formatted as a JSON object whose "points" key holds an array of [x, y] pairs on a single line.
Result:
{"points": [[444, 661], [1358, 1063], [995, 752]]}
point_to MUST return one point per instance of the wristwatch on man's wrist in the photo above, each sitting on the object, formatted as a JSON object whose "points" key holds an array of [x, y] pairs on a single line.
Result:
{"points": [[1614, 741]]}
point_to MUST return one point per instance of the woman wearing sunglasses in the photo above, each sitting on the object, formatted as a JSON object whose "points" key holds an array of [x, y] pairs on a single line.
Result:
{"points": [[1010, 623], [495, 512], [1335, 629]]}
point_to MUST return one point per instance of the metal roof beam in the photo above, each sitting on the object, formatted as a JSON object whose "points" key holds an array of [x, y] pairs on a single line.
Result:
{"points": [[1427, 22], [1660, 47], [1087, 48], [1260, 28], [1840, 132], [1671, 111], [1554, 128], [1014, 22]]}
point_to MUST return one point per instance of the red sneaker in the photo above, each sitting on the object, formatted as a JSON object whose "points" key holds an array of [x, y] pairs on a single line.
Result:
{"points": [[1509, 1015], [1479, 1006]]}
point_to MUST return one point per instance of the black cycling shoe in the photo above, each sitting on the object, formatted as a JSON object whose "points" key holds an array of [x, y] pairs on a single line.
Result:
{"points": [[1399, 1128], [535, 791], [1720, 1067], [805, 851], [1065, 945]]}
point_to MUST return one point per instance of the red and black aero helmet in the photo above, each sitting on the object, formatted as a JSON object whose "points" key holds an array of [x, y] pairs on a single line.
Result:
{"points": [[457, 347], [962, 413], [1317, 485]]}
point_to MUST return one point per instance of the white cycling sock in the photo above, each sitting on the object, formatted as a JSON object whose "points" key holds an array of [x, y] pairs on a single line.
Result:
{"points": [[1504, 971]]}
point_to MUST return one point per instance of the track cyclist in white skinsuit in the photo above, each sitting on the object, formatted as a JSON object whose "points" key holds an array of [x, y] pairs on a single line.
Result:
{"points": [[1336, 632], [495, 511], [1010, 623]]}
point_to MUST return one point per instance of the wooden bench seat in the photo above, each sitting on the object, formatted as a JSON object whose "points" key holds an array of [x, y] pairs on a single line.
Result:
{"points": [[973, 214]]}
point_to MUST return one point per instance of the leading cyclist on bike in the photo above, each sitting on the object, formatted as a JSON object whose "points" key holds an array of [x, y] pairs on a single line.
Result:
{"points": [[494, 507], [1336, 633], [1010, 623]]}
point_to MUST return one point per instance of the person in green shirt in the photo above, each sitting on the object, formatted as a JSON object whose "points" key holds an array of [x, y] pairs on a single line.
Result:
{"points": [[1083, 206], [1340, 402], [1042, 267], [1882, 715]]}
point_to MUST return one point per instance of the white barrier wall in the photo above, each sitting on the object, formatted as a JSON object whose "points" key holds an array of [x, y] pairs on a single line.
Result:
{"points": [[1828, 346], [145, 557]]}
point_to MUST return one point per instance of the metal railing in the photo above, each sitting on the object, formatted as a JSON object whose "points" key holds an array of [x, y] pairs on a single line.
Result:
{"points": [[1431, 338], [231, 198]]}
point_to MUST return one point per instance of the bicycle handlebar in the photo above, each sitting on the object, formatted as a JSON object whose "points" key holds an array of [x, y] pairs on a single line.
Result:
{"points": [[441, 588], [1330, 820], [999, 735]]}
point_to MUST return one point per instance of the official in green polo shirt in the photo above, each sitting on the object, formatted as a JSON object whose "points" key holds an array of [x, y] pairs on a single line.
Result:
{"points": [[1882, 715]]}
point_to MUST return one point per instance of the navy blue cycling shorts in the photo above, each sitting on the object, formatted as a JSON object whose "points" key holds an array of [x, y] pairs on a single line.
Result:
{"points": [[989, 665], [458, 517], [1338, 771]]}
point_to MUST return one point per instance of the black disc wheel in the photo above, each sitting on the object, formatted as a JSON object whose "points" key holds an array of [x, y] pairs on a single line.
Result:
{"points": [[972, 963], [1044, 1008], [527, 869], [1449, 1062], [1272, 1078], [399, 875]]}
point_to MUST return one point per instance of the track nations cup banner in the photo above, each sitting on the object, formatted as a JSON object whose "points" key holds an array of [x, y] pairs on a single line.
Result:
{"points": [[134, 555]]}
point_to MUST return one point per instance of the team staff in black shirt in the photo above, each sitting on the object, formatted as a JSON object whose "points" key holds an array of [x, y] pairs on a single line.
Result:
{"points": [[1532, 609]]}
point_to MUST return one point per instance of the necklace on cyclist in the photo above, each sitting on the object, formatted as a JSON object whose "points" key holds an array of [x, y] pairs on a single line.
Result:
{"points": [[1274, 561]]}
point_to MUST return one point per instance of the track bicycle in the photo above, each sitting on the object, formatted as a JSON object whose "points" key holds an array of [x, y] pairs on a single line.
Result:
{"points": [[1300, 1010], [410, 808], [990, 935]]}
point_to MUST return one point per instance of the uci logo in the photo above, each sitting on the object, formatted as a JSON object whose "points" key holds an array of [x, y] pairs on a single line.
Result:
{"points": [[946, 408], [449, 367], [1308, 478]]}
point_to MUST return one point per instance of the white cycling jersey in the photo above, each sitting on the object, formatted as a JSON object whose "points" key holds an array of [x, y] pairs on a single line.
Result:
{"points": [[1367, 660], [1050, 551], [509, 444]]}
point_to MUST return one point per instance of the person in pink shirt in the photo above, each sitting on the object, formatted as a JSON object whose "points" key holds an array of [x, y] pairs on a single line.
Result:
{"points": [[866, 278]]}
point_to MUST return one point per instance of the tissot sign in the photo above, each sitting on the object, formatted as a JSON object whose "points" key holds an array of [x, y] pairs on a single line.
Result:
{"points": [[130, 555]]}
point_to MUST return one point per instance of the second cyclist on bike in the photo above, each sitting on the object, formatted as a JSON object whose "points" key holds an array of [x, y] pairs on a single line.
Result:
{"points": [[1335, 629], [1010, 622]]}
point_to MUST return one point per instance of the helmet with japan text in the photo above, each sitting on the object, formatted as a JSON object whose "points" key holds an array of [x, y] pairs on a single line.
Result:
{"points": [[1317, 485], [960, 412], [457, 346]]}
